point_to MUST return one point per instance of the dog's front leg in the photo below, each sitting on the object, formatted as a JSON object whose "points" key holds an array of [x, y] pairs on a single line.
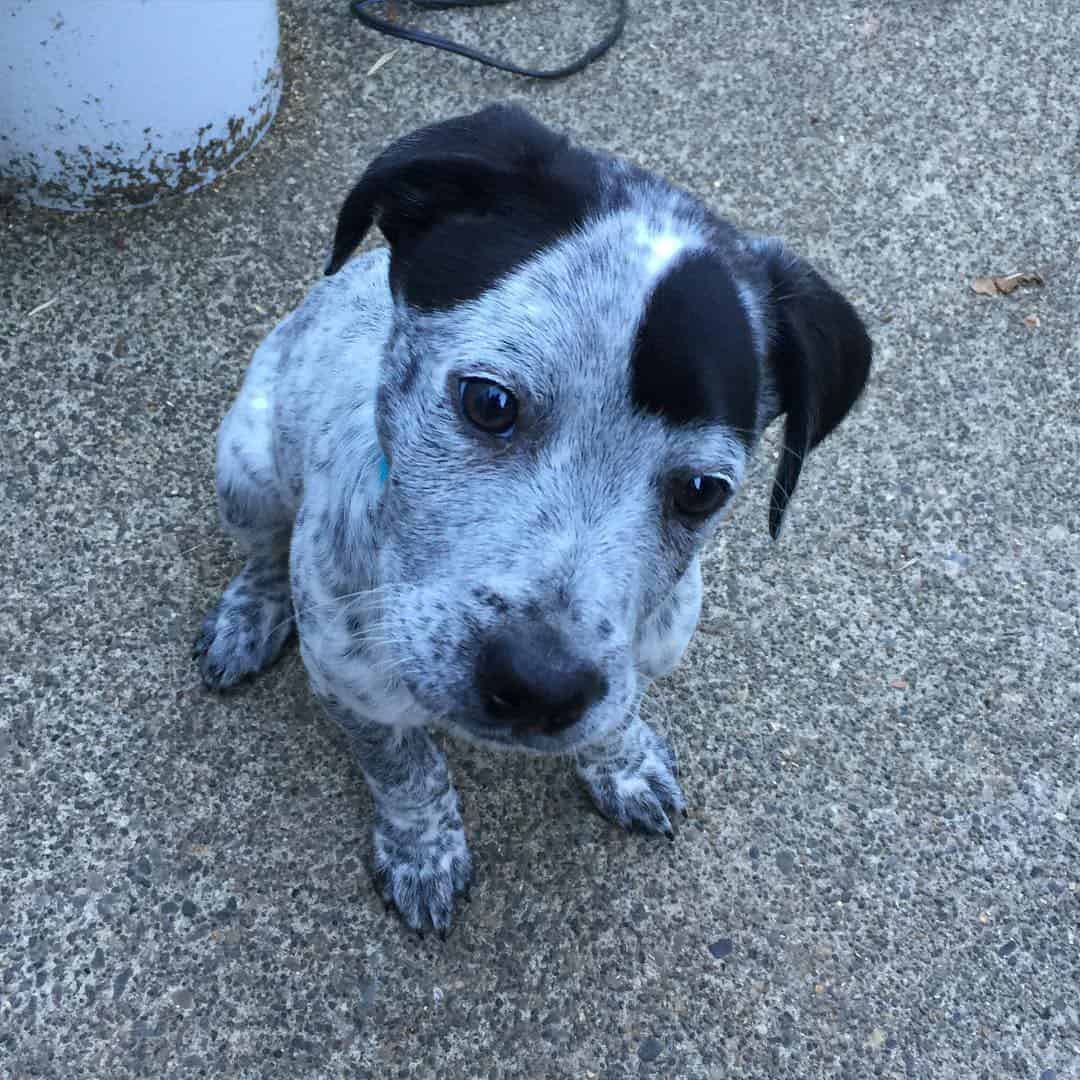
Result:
{"points": [[421, 859], [631, 776]]}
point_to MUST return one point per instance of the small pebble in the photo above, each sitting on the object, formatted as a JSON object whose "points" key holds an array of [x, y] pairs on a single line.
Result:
{"points": [[649, 1050], [722, 948]]}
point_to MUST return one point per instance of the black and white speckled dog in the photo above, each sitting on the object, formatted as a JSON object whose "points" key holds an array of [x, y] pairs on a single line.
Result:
{"points": [[476, 469]]}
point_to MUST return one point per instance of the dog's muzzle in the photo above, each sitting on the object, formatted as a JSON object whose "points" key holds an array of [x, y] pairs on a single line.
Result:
{"points": [[531, 683]]}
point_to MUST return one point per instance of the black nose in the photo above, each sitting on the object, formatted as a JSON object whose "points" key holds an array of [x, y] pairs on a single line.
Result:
{"points": [[530, 681]]}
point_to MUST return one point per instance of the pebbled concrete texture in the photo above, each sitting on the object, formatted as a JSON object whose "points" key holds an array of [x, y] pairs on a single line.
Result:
{"points": [[878, 723]]}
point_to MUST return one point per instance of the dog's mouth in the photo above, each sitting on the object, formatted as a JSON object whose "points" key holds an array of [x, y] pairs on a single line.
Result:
{"points": [[503, 711], [536, 734], [530, 738]]}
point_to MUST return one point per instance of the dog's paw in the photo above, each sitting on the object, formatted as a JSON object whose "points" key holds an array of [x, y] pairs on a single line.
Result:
{"points": [[245, 632], [420, 866], [632, 780]]}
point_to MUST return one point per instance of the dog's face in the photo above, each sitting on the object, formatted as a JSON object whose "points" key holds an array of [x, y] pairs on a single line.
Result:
{"points": [[581, 364]]}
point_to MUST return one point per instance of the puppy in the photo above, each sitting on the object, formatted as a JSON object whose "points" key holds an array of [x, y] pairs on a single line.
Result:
{"points": [[475, 469]]}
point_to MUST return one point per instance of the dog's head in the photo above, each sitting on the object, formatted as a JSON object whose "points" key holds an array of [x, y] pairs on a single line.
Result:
{"points": [[581, 363]]}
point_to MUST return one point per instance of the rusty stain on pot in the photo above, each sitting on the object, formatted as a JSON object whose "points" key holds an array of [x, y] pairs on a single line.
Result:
{"points": [[87, 136], [110, 184]]}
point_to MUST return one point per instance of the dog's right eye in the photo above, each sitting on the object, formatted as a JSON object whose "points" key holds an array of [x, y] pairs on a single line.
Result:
{"points": [[701, 495], [491, 407]]}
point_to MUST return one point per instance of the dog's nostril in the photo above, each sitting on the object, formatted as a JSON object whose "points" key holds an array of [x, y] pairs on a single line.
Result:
{"points": [[498, 704]]}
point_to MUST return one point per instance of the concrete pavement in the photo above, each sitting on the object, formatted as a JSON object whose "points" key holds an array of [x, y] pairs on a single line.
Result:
{"points": [[879, 721]]}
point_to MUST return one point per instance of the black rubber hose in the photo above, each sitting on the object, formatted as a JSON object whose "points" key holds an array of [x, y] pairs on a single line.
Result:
{"points": [[384, 26]]}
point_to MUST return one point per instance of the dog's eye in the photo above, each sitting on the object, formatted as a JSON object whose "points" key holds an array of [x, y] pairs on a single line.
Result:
{"points": [[701, 495], [491, 407]]}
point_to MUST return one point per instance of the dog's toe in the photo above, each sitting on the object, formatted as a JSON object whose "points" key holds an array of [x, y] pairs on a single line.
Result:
{"points": [[239, 640], [421, 879], [636, 790], [642, 810]]}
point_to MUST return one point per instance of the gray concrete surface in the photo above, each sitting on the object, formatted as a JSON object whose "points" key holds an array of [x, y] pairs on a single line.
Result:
{"points": [[878, 721]]}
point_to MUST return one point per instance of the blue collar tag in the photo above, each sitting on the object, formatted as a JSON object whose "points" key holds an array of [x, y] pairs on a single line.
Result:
{"points": [[384, 470]]}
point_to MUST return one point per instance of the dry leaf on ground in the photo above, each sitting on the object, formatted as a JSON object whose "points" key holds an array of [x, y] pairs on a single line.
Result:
{"points": [[1004, 284]]}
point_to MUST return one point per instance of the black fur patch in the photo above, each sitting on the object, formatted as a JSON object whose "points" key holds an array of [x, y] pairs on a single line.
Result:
{"points": [[694, 356], [820, 361], [465, 202], [461, 256]]}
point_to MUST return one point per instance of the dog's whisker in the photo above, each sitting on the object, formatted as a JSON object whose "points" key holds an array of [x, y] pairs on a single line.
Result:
{"points": [[276, 627], [349, 599], [385, 641], [380, 638], [310, 608]]}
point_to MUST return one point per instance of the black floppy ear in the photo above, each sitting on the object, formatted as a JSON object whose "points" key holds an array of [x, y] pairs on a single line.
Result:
{"points": [[463, 165], [819, 360]]}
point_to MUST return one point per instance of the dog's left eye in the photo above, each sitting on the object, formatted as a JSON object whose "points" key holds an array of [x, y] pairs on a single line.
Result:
{"points": [[491, 407], [701, 495]]}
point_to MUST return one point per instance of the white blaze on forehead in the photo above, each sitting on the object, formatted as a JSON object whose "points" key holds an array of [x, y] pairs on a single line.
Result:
{"points": [[664, 248], [660, 247]]}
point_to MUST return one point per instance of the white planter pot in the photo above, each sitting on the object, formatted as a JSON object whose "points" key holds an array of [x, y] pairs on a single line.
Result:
{"points": [[115, 103]]}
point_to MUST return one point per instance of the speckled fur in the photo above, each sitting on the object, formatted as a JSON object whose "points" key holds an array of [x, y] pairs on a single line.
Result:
{"points": [[394, 584]]}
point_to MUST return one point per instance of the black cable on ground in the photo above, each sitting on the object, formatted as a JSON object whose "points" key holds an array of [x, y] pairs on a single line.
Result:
{"points": [[384, 26]]}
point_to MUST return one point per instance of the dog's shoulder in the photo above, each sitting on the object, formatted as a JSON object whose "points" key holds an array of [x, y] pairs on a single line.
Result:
{"points": [[310, 388], [327, 351], [351, 305]]}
